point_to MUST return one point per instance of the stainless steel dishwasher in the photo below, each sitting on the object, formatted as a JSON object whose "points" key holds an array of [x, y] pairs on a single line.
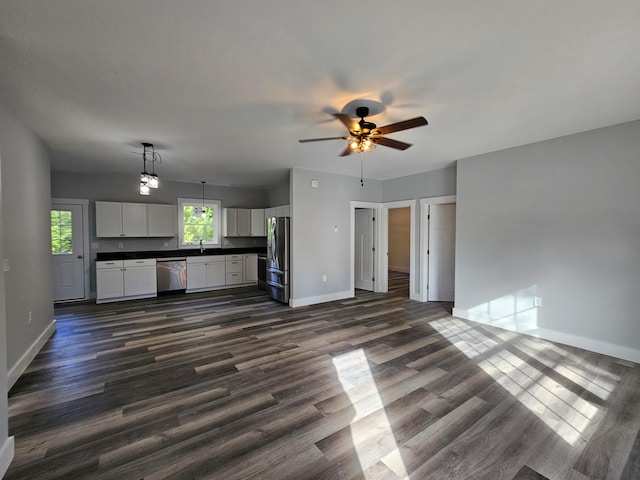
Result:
{"points": [[171, 274]]}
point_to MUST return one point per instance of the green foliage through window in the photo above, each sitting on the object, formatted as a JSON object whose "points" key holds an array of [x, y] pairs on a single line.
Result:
{"points": [[61, 232], [196, 226]]}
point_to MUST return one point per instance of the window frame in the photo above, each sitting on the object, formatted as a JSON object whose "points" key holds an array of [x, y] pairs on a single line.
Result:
{"points": [[216, 218]]}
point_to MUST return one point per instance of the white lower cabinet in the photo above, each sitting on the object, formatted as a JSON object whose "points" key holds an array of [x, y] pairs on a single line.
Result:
{"points": [[250, 268], [128, 279], [109, 280], [205, 272], [125, 279], [234, 269]]}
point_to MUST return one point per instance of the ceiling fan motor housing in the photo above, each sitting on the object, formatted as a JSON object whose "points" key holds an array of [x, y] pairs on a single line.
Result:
{"points": [[365, 127]]}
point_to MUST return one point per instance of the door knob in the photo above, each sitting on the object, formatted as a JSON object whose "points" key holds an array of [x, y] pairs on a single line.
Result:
{"points": [[79, 257]]}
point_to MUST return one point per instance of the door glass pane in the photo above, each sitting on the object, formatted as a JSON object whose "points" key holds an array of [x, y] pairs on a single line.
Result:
{"points": [[61, 232]]}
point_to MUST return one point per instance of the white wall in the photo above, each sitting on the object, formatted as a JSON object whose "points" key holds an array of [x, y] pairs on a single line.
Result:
{"points": [[559, 220], [26, 201], [315, 247]]}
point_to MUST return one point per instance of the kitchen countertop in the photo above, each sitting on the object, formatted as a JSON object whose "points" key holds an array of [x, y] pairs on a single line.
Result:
{"points": [[100, 256]]}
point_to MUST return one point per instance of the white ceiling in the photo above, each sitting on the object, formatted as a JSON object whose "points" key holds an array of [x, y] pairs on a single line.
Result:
{"points": [[224, 89]]}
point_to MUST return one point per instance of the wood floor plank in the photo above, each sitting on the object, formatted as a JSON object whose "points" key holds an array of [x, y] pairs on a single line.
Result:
{"points": [[231, 385]]}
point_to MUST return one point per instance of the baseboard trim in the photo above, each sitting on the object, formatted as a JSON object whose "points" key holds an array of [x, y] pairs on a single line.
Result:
{"points": [[22, 364], [598, 346], [330, 297], [6, 455]]}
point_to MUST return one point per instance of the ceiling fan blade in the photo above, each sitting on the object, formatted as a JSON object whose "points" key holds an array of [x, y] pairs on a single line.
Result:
{"points": [[304, 140], [347, 121], [346, 151], [390, 142], [404, 125]]}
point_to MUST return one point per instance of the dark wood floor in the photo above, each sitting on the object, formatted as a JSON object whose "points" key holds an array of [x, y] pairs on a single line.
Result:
{"points": [[230, 385]]}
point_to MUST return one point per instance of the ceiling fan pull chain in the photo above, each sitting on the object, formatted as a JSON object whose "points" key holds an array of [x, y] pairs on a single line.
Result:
{"points": [[361, 169]]}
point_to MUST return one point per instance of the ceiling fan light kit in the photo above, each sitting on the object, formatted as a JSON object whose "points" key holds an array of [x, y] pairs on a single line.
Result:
{"points": [[364, 136]]}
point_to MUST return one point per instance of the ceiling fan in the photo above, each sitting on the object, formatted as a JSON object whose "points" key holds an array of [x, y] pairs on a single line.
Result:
{"points": [[364, 136]]}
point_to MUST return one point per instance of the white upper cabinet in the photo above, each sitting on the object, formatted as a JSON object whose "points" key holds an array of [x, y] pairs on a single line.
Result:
{"points": [[134, 219], [244, 222], [109, 219], [236, 222], [162, 220], [258, 228], [116, 219]]}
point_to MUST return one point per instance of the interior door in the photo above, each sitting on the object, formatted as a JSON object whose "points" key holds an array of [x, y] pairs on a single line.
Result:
{"points": [[442, 240], [67, 251], [364, 248]]}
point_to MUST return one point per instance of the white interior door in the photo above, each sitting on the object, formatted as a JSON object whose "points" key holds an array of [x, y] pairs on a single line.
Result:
{"points": [[67, 249], [364, 248], [442, 240]]}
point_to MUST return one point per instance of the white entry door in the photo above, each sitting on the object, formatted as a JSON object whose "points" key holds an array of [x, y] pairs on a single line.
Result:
{"points": [[442, 241], [67, 250], [364, 227]]}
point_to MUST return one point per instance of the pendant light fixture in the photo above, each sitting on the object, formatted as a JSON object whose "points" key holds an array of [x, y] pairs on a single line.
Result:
{"points": [[149, 180], [203, 213], [144, 178]]}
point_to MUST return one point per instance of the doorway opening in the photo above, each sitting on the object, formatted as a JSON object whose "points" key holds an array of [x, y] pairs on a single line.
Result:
{"points": [[399, 250]]}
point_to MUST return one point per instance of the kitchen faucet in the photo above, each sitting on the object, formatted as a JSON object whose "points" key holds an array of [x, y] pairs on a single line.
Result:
{"points": [[201, 247]]}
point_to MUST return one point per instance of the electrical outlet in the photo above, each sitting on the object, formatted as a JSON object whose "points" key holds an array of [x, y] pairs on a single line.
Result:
{"points": [[324, 278], [165, 244], [30, 316], [537, 301], [5, 265], [120, 245]]}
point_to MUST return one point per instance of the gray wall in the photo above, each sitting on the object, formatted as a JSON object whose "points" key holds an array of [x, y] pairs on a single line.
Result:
{"points": [[435, 183], [279, 194], [558, 219], [26, 235], [316, 249], [4, 422]]}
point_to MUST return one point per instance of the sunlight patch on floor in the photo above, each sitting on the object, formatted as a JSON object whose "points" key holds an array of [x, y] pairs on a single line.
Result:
{"points": [[565, 412], [354, 374]]}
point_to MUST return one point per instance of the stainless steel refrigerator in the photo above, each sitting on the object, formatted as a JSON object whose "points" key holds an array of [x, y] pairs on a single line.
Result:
{"points": [[278, 258]]}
